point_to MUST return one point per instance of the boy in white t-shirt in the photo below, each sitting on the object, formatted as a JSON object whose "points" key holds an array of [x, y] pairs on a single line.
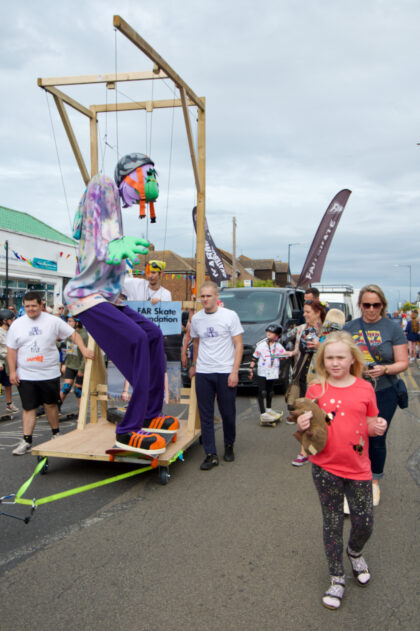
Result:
{"points": [[268, 354], [141, 289], [217, 343]]}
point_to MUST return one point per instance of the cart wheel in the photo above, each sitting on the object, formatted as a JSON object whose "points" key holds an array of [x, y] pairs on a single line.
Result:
{"points": [[44, 469], [164, 475]]}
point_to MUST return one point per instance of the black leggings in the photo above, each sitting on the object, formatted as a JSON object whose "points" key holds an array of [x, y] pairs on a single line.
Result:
{"points": [[265, 391], [331, 490]]}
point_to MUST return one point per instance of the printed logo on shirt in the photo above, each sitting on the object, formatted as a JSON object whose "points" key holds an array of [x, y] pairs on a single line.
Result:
{"points": [[211, 332], [375, 339], [35, 331]]}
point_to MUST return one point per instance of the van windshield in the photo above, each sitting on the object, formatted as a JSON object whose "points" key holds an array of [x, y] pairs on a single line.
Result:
{"points": [[253, 306]]}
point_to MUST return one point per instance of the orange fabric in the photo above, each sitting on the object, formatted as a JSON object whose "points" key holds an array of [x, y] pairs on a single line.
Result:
{"points": [[139, 187]]}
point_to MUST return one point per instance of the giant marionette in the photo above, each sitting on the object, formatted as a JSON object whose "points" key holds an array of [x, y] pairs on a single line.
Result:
{"points": [[132, 342]]}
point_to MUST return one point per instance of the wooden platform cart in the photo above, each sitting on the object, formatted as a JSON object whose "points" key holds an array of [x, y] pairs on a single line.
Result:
{"points": [[94, 434]]}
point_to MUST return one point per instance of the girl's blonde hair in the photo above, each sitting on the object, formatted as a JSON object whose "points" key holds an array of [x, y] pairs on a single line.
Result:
{"points": [[356, 368], [374, 289]]}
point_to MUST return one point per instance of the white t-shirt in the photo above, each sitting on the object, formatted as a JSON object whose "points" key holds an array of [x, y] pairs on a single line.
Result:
{"points": [[139, 289], [216, 351], [269, 358], [35, 341]]}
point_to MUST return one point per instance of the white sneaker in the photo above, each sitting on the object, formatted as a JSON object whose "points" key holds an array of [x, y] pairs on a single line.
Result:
{"points": [[10, 407], [276, 416], [22, 448], [346, 509], [266, 418]]}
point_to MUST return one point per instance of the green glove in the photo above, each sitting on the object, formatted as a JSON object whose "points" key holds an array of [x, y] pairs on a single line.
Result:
{"points": [[126, 248]]}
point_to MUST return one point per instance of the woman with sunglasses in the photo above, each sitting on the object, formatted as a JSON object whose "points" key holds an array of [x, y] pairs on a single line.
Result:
{"points": [[384, 347]]}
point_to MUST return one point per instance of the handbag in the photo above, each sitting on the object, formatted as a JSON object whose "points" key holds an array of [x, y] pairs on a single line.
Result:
{"points": [[293, 390], [399, 386]]}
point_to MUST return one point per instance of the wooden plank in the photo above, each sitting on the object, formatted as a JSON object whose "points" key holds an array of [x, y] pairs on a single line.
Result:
{"points": [[140, 105], [84, 400], [201, 203], [190, 140], [72, 138], [102, 78], [92, 443], [72, 102], [93, 129], [141, 43]]}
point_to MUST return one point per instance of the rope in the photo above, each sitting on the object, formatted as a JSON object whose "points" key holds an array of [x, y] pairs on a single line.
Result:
{"points": [[19, 499], [116, 94], [59, 165], [169, 173]]}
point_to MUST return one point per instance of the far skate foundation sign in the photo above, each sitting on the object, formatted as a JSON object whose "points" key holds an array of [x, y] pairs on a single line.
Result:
{"points": [[166, 315]]}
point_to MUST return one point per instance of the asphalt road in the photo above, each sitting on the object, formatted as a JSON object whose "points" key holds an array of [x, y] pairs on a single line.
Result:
{"points": [[238, 547]]}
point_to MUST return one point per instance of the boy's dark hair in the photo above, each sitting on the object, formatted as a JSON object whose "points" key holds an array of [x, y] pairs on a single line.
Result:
{"points": [[32, 295], [312, 290]]}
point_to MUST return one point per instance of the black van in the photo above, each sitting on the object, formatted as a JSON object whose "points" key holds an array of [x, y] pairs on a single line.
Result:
{"points": [[257, 307]]}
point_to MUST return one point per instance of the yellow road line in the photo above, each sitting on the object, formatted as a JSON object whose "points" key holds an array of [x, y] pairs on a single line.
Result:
{"points": [[411, 378]]}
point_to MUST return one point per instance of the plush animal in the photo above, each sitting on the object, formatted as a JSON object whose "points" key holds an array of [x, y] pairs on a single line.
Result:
{"points": [[315, 437]]}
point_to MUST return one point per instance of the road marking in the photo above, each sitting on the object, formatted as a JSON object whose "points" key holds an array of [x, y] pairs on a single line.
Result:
{"points": [[410, 376]]}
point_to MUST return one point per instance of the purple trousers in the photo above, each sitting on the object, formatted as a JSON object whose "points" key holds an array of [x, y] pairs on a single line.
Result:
{"points": [[135, 345]]}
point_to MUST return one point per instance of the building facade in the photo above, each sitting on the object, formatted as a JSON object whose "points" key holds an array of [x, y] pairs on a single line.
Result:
{"points": [[38, 258]]}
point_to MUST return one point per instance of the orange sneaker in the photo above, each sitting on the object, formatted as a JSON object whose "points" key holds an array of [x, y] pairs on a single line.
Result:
{"points": [[162, 424], [141, 442]]}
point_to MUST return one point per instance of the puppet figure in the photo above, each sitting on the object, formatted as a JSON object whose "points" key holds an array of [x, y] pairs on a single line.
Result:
{"points": [[132, 342]]}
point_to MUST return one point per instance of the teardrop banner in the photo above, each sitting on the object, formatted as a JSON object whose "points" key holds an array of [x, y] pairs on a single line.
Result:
{"points": [[214, 262], [314, 264]]}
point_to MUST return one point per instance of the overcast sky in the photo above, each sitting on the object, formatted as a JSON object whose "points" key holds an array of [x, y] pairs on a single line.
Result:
{"points": [[304, 98]]}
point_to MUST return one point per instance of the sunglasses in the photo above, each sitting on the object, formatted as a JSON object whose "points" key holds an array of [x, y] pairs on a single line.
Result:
{"points": [[368, 305]]}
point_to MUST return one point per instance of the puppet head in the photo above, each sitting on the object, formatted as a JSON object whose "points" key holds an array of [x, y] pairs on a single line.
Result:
{"points": [[136, 178]]}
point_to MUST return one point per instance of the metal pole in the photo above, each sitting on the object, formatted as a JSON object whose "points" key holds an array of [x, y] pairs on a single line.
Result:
{"points": [[7, 275], [234, 253]]}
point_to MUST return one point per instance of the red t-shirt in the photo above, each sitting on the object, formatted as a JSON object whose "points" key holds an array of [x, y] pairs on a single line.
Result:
{"points": [[346, 453]]}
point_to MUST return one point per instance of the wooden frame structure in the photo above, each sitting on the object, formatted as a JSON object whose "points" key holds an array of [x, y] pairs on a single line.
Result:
{"points": [[90, 440]]}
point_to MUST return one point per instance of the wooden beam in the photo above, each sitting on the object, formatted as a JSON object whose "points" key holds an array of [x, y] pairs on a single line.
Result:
{"points": [[138, 41], [201, 203], [72, 139], [72, 102], [190, 139], [140, 105], [102, 78], [94, 165]]}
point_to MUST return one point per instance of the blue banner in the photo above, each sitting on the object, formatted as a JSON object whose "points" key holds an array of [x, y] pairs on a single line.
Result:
{"points": [[166, 315]]}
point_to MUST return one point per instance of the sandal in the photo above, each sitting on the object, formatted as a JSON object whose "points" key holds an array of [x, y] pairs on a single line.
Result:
{"points": [[360, 568], [332, 597]]}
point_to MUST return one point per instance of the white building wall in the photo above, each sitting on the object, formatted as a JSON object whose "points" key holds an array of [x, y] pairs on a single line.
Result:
{"points": [[30, 247]]}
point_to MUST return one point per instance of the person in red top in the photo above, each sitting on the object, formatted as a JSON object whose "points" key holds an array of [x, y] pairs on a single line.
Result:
{"points": [[343, 466]]}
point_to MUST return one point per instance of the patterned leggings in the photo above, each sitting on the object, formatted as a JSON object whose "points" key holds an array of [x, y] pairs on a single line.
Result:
{"points": [[331, 490]]}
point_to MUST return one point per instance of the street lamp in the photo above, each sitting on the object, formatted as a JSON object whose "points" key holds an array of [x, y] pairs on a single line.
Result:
{"points": [[288, 260], [409, 267]]}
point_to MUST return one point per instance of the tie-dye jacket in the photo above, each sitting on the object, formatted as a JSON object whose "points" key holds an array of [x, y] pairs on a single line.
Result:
{"points": [[98, 221]]}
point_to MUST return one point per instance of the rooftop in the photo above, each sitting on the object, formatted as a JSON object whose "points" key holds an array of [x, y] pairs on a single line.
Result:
{"points": [[17, 221]]}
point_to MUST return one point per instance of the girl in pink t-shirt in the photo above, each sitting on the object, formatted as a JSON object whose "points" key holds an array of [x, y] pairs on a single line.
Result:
{"points": [[343, 467]]}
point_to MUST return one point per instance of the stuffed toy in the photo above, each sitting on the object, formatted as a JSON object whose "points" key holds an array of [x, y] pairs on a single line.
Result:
{"points": [[315, 437]]}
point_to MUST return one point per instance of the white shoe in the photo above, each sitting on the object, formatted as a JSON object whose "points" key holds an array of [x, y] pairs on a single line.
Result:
{"points": [[266, 418], [22, 448], [276, 416], [346, 508], [376, 493], [10, 407]]}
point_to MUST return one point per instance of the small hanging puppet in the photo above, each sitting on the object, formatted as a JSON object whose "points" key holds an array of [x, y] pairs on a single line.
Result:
{"points": [[136, 179], [132, 342]]}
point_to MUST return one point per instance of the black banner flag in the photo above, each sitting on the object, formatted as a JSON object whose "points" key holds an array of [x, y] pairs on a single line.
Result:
{"points": [[314, 264], [214, 263]]}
